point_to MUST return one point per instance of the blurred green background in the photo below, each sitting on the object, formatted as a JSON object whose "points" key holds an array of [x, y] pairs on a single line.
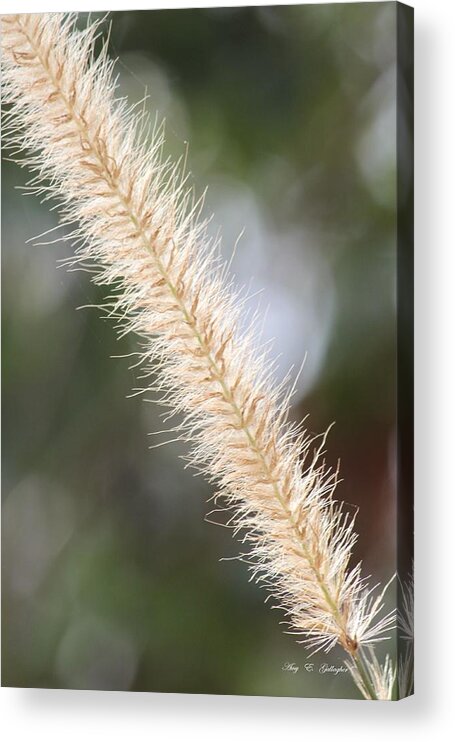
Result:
{"points": [[112, 578]]}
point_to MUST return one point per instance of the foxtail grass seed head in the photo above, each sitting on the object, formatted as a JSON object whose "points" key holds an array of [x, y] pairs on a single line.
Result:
{"points": [[139, 227], [373, 679]]}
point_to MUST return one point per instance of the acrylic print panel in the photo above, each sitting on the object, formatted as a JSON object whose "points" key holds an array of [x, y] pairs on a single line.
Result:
{"points": [[118, 572]]}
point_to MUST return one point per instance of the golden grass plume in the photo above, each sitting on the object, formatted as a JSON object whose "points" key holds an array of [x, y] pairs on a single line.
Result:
{"points": [[139, 226]]}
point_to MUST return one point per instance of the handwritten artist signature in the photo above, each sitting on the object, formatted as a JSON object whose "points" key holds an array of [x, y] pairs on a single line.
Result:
{"points": [[322, 668]]}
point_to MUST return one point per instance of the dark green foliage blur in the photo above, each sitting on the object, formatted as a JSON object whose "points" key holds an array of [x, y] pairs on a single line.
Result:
{"points": [[112, 578]]}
